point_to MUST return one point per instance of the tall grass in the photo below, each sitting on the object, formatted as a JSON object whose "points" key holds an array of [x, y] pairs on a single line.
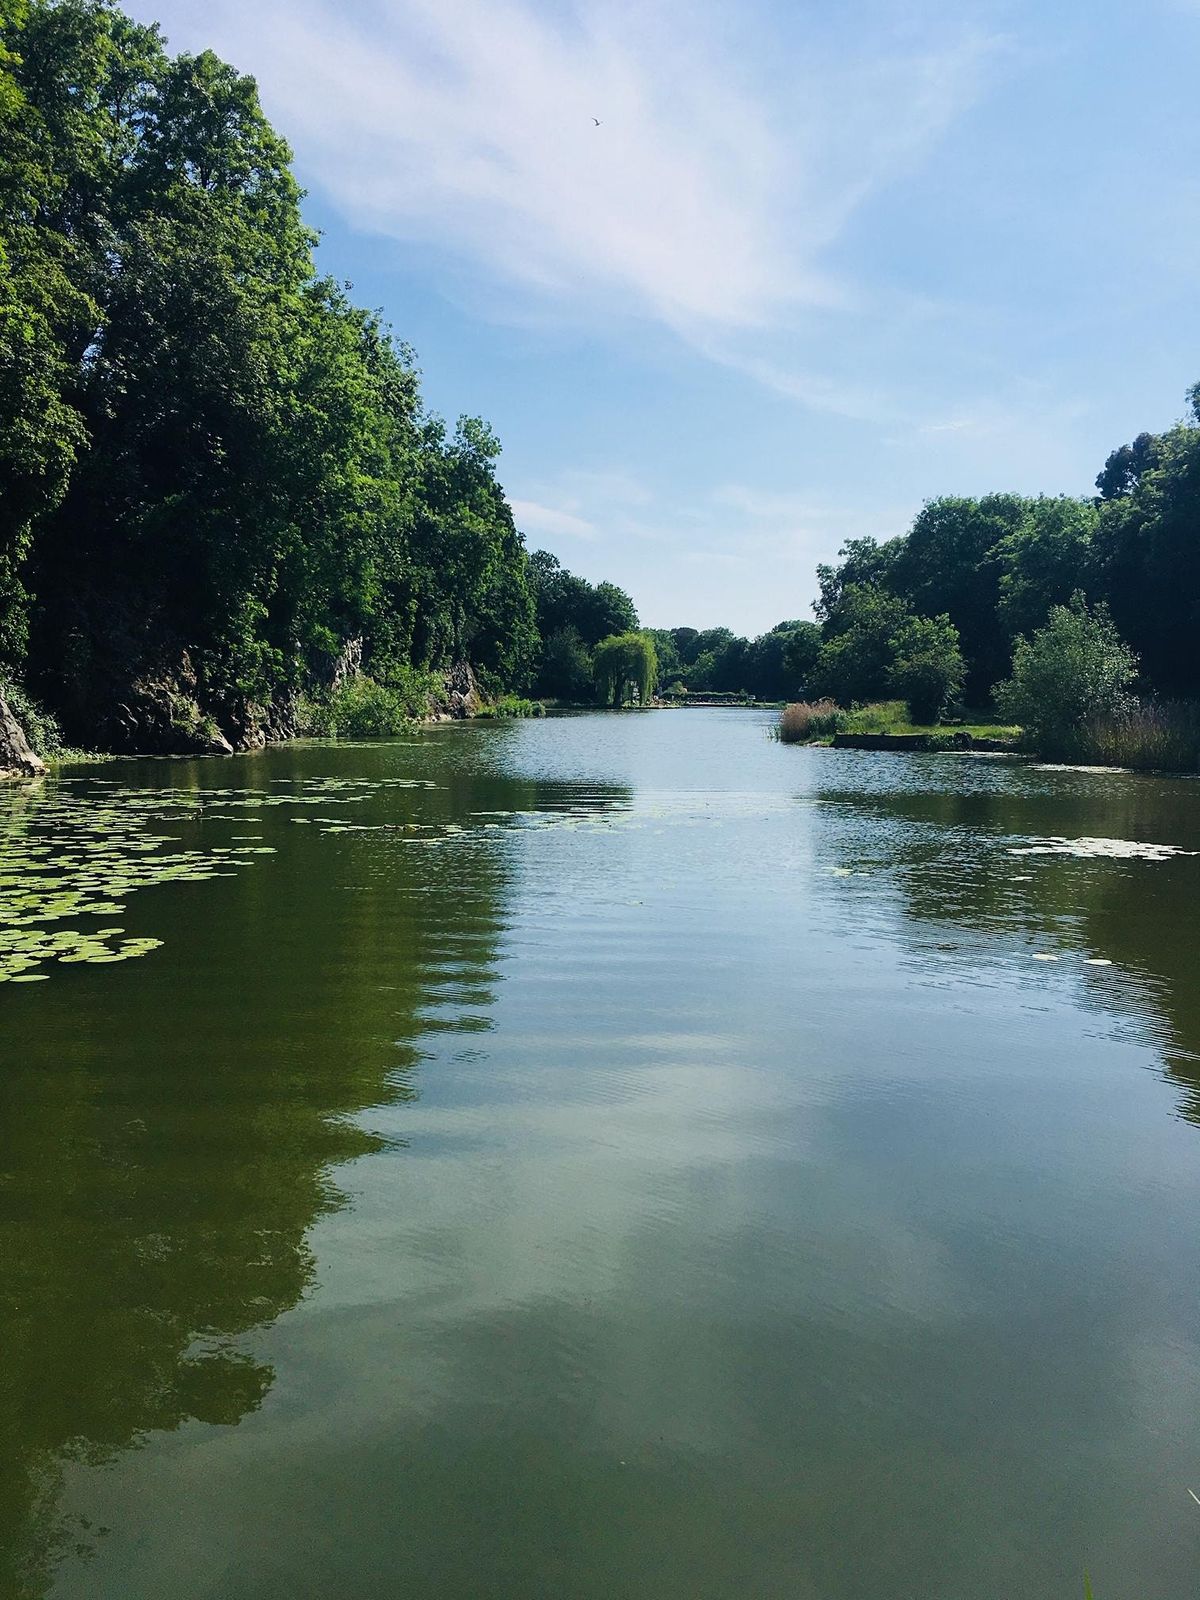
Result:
{"points": [[880, 716], [1159, 736], [809, 719]]}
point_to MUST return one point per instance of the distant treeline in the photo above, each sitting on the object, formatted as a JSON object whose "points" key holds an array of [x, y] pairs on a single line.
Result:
{"points": [[933, 615], [996, 567], [574, 616]]}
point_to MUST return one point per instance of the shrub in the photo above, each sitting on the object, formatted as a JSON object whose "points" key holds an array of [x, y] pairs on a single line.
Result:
{"points": [[512, 705], [809, 719], [359, 708], [1074, 672]]}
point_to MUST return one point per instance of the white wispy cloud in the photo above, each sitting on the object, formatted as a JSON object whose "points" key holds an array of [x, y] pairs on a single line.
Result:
{"points": [[554, 521], [706, 200]]}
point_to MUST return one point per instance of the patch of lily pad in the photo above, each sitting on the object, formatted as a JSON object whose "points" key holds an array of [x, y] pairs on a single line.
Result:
{"points": [[77, 850]]}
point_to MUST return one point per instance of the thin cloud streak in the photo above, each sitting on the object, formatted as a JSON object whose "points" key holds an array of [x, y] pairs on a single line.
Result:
{"points": [[554, 521]]}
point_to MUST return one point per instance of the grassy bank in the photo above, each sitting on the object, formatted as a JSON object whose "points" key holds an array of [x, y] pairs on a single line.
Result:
{"points": [[1146, 736], [816, 722]]}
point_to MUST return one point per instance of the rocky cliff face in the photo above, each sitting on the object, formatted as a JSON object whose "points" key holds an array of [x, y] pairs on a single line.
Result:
{"points": [[17, 760], [131, 702], [142, 695], [462, 696], [164, 714]]}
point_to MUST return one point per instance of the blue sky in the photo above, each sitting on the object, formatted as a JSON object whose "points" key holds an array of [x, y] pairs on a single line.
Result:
{"points": [[817, 263]]}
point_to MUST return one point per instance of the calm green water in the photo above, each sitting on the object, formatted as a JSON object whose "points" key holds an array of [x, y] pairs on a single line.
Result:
{"points": [[601, 1157]]}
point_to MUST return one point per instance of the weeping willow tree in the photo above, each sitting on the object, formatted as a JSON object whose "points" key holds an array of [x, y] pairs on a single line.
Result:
{"points": [[625, 667]]}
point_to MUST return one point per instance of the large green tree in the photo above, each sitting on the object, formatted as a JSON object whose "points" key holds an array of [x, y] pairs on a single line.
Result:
{"points": [[1044, 560], [949, 564], [1148, 547], [855, 663], [626, 668], [217, 480], [927, 667]]}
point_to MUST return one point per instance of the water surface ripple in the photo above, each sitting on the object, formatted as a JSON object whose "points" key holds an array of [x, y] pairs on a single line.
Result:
{"points": [[606, 1156]]}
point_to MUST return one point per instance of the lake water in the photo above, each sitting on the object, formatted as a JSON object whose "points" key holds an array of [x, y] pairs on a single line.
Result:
{"points": [[599, 1157]]}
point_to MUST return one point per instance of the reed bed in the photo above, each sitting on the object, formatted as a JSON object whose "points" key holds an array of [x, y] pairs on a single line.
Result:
{"points": [[809, 719], [1152, 736]]}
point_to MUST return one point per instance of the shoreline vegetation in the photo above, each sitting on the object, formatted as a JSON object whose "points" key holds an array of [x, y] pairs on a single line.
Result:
{"points": [[1141, 737], [227, 517], [823, 722]]}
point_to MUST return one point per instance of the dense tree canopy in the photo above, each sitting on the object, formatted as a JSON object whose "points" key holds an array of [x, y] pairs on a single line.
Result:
{"points": [[572, 617], [216, 473], [1148, 559], [998, 567], [927, 666]]}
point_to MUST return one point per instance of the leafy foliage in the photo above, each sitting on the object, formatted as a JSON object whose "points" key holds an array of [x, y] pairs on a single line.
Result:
{"points": [[513, 705], [1069, 673], [626, 668], [856, 660], [40, 728], [360, 708], [572, 617], [566, 669], [999, 566], [1149, 562], [773, 666], [212, 464], [927, 666]]}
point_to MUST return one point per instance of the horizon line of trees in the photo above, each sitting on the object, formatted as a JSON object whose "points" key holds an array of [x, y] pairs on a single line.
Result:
{"points": [[939, 615]]}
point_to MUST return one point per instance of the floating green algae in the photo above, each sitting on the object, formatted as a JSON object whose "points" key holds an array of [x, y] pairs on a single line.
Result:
{"points": [[78, 849]]}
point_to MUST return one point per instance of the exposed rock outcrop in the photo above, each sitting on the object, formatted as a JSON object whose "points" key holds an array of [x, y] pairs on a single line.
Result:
{"points": [[142, 695], [17, 760], [349, 663], [159, 713], [140, 692], [462, 696]]}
